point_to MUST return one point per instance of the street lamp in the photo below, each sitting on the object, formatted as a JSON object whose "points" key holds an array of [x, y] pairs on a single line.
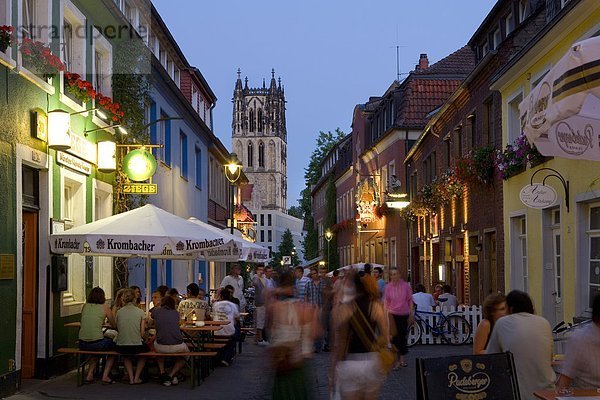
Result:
{"points": [[328, 237], [233, 170]]}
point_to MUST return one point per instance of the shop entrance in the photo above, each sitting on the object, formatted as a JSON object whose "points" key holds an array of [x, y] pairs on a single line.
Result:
{"points": [[28, 328]]}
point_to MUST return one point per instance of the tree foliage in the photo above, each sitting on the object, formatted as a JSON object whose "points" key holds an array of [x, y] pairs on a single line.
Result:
{"points": [[286, 248], [312, 174], [296, 211], [332, 256]]}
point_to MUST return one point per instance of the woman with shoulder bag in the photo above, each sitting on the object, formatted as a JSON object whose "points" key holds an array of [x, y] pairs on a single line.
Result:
{"points": [[362, 333]]}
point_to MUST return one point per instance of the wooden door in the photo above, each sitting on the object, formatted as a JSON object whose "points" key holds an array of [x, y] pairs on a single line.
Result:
{"points": [[30, 245]]}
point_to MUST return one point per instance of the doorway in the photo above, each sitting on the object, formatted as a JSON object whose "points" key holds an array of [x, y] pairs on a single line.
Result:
{"points": [[30, 278]]}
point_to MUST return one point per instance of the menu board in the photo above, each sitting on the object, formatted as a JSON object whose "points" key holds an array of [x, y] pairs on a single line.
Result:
{"points": [[469, 377]]}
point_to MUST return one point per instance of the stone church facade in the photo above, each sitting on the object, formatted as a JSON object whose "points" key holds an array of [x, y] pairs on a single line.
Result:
{"points": [[259, 138]]}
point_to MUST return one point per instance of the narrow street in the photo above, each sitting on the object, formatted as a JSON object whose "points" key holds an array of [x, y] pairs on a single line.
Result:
{"points": [[248, 378]]}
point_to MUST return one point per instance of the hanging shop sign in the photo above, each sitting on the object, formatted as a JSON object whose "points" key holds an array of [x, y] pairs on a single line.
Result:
{"points": [[367, 198], [139, 165], [83, 149], [73, 162], [140, 188], [538, 196], [39, 124]]}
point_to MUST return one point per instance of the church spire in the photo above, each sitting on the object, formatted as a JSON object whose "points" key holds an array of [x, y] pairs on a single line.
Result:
{"points": [[238, 83], [246, 83], [273, 83]]}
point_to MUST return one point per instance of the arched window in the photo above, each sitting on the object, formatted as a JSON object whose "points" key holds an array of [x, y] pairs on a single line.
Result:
{"points": [[260, 120], [250, 154], [261, 155], [252, 120]]}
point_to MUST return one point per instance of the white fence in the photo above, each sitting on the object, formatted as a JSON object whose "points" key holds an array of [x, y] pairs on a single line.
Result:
{"points": [[471, 313]]}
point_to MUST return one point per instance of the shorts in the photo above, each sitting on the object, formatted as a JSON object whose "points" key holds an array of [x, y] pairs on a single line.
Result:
{"points": [[133, 349], [260, 312], [171, 348], [360, 372], [97, 345]]}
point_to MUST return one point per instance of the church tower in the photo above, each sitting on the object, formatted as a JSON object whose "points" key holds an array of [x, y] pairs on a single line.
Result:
{"points": [[259, 138]]}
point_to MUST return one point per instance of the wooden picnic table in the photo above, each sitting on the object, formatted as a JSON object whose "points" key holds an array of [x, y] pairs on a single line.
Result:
{"points": [[216, 323], [551, 394]]}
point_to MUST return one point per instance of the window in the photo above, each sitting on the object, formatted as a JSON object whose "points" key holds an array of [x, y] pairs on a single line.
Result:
{"points": [[485, 48], [73, 42], [593, 252], [488, 121], [260, 120], [509, 23], [472, 129], [393, 252], [262, 219], [269, 220], [459, 140], [73, 212], [103, 205], [514, 118], [523, 10], [29, 19], [448, 149], [250, 154], [164, 138], [262, 236], [520, 268], [269, 236], [102, 72], [195, 104], [261, 154], [496, 38], [199, 168], [252, 120], [183, 153]]}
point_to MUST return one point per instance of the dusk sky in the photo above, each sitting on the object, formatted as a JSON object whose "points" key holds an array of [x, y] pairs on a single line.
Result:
{"points": [[330, 55]]}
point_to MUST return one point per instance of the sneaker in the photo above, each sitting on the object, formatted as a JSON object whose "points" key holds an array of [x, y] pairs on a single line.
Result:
{"points": [[225, 363], [165, 380], [174, 381], [263, 343]]}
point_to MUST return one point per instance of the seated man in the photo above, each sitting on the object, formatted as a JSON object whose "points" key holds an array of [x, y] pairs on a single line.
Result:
{"points": [[225, 310], [582, 363], [193, 305]]}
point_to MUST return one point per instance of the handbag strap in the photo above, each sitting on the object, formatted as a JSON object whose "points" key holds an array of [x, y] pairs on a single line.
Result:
{"points": [[358, 328]]}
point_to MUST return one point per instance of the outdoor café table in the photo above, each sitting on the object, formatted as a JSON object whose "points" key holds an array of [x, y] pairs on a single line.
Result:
{"points": [[551, 394], [199, 334], [216, 323]]}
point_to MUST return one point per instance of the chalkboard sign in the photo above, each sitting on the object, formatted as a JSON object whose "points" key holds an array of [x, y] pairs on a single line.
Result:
{"points": [[469, 377]]}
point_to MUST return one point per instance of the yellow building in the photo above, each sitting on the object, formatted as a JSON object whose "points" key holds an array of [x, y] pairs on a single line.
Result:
{"points": [[551, 253]]}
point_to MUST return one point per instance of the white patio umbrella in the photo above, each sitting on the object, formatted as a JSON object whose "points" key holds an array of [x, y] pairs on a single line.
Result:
{"points": [[147, 231], [561, 115], [357, 266]]}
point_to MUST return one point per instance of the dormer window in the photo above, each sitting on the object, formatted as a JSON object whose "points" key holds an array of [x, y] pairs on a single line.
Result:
{"points": [[485, 48], [496, 39], [523, 10], [509, 23]]}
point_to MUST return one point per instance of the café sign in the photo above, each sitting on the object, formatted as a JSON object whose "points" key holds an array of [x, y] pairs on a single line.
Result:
{"points": [[73, 162], [538, 196]]}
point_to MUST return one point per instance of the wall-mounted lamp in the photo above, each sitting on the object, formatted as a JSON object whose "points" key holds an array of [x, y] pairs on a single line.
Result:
{"points": [[441, 273], [59, 126], [107, 156], [233, 169]]}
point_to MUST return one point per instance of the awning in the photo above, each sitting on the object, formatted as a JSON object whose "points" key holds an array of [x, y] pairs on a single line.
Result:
{"points": [[561, 115]]}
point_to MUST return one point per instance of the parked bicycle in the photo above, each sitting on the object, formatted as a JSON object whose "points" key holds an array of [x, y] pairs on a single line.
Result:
{"points": [[453, 328]]}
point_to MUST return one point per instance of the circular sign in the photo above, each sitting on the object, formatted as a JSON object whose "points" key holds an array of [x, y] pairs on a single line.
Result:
{"points": [[139, 165], [538, 196]]}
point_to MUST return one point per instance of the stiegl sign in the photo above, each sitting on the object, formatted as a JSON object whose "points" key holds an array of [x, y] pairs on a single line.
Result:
{"points": [[538, 196]]}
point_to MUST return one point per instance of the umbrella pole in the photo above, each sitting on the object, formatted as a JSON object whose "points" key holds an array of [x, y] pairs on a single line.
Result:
{"points": [[191, 271], [148, 274]]}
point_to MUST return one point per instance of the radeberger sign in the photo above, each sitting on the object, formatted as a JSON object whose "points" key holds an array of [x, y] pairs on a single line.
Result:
{"points": [[489, 376], [538, 196]]}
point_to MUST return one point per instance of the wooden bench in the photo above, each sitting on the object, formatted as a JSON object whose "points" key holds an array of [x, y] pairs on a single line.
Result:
{"points": [[204, 356]]}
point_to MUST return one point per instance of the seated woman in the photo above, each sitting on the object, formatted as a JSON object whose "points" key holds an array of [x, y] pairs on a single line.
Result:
{"points": [[91, 338], [117, 302], [168, 338], [131, 324], [494, 307]]}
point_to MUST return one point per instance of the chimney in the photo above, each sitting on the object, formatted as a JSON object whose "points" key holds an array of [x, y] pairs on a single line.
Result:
{"points": [[423, 61], [417, 67]]}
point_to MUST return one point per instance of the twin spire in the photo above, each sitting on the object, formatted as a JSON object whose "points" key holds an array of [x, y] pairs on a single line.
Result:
{"points": [[273, 86]]}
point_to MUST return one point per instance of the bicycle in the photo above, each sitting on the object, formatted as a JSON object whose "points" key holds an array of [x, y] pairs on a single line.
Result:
{"points": [[453, 328]]}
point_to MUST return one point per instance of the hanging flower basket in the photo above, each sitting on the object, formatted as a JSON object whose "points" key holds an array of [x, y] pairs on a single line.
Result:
{"points": [[38, 58], [477, 167], [6, 37], [415, 209], [441, 190], [112, 109], [345, 225], [515, 157]]}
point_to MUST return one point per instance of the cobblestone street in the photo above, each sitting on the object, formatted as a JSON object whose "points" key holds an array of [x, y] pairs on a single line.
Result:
{"points": [[248, 378]]}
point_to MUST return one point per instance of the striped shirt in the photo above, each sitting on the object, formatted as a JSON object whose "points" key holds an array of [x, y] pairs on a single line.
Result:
{"points": [[314, 292], [301, 287]]}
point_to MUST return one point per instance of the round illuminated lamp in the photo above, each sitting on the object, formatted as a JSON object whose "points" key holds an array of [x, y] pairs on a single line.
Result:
{"points": [[139, 165]]}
